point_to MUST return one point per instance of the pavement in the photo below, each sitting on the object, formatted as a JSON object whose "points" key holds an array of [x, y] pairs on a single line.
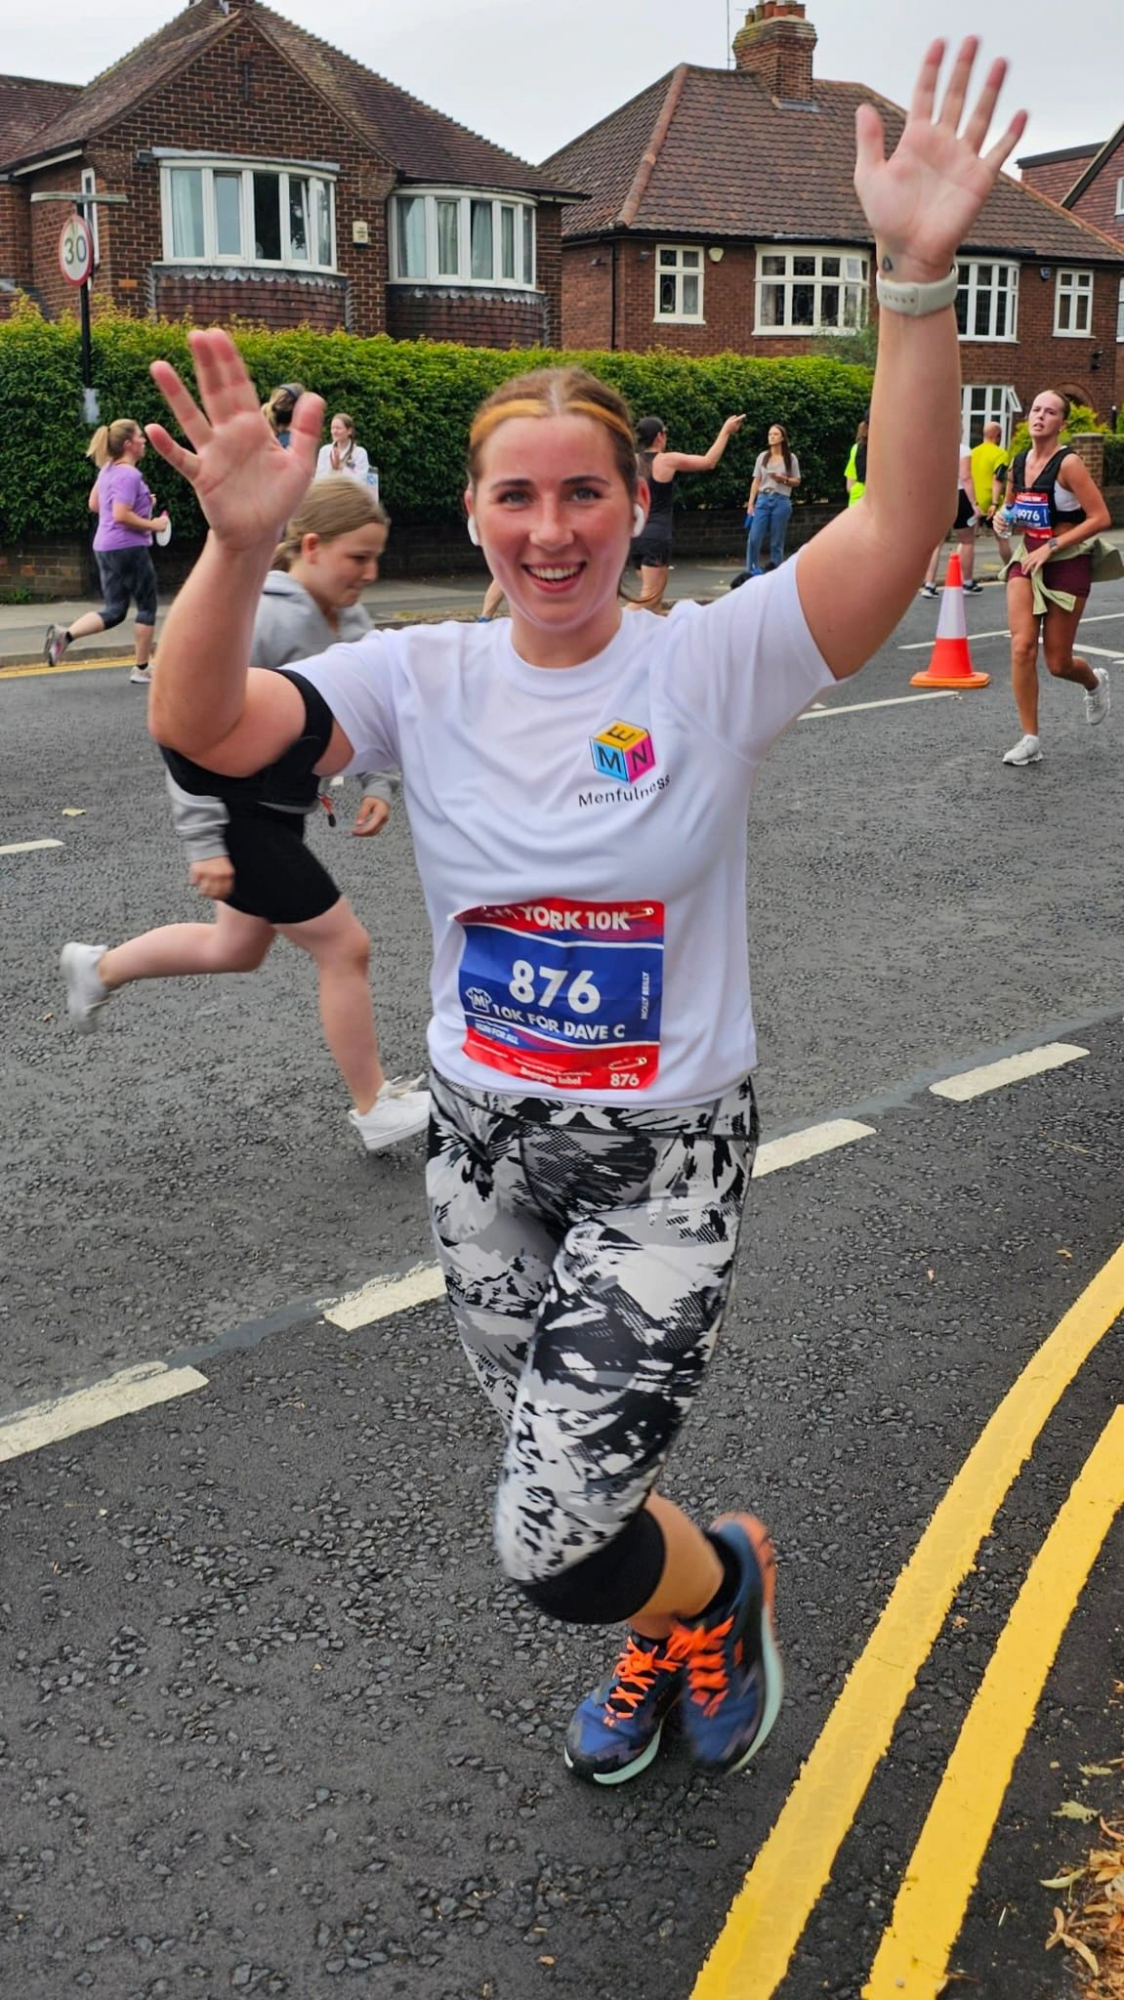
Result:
{"points": [[270, 1719]]}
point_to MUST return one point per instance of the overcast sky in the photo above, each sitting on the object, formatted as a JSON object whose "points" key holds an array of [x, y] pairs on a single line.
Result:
{"points": [[532, 74]]}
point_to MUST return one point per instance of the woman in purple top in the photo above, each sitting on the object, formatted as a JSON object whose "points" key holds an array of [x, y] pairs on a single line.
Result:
{"points": [[126, 525]]}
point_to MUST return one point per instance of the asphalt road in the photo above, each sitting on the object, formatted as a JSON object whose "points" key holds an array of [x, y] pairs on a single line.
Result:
{"points": [[269, 1717]]}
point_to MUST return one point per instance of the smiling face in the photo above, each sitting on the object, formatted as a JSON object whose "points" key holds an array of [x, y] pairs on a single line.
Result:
{"points": [[336, 572], [342, 432], [554, 517], [1047, 415]]}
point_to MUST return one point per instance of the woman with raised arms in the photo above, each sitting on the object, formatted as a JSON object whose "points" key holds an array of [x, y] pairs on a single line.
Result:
{"points": [[577, 785]]}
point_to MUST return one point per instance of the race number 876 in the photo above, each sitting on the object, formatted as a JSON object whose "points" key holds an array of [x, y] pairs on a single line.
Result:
{"points": [[581, 995]]}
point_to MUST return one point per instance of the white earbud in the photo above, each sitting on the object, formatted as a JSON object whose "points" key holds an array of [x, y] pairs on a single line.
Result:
{"points": [[473, 533], [639, 520]]}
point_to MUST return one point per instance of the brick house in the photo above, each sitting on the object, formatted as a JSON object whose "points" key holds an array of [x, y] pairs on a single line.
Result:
{"points": [[271, 177], [720, 215], [1088, 181]]}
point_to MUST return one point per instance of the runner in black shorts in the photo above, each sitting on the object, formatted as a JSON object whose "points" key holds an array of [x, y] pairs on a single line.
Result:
{"points": [[245, 838], [651, 548]]}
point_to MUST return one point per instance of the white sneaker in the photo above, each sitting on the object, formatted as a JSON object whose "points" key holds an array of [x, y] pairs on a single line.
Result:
{"points": [[397, 1113], [85, 993], [1097, 703], [1028, 750], [55, 644], [141, 677]]}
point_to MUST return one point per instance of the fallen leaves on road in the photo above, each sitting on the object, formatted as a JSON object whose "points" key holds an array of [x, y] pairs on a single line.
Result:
{"points": [[1093, 1928], [1073, 1809]]}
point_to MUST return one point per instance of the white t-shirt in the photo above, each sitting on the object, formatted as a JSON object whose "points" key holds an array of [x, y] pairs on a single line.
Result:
{"points": [[359, 467], [580, 835]]}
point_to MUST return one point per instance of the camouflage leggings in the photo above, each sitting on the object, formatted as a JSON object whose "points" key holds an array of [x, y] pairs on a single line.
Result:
{"points": [[588, 1253]]}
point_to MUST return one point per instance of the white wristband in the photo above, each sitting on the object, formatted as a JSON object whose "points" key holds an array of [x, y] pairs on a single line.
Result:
{"points": [[918, 300]]}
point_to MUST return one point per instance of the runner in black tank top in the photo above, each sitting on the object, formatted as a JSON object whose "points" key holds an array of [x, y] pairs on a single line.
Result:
{"points": [[651, 550], [1040, 483]]}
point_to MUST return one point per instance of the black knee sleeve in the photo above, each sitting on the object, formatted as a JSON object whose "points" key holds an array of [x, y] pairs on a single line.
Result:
{"points": [[609, 1585]]}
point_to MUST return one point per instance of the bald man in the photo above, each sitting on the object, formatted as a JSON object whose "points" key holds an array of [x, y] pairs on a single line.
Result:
{"points": [[989, 471]]}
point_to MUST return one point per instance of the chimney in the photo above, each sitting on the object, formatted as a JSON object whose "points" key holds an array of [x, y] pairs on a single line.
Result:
{"points": [[776, 46]]}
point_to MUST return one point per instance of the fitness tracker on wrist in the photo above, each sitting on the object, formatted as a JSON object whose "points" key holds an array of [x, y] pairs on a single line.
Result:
{"points": [[917, 301]]}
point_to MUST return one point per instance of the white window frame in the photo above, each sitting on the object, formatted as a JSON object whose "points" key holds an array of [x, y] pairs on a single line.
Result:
{"points": [[1076, 286], [971, 289], [1120, 196], [989, 403], [674, 267], [465, 197], [88, 182], [209, 167], [857, 281], [1120, 312]]}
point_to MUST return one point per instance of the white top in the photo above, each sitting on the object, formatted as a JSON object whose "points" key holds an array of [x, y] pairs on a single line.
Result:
{"points": [[358, 468], [767, 479], [580, 835]]}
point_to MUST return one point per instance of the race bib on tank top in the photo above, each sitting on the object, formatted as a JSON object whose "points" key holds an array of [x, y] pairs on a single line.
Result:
{"points": [[1029, 515], [564, 993]]}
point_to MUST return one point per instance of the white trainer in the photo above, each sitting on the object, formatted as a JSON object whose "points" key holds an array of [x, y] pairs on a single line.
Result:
{"points": [[397, 1113], [1097, 703], [85, 993], [1028, 750], [141, 677]]}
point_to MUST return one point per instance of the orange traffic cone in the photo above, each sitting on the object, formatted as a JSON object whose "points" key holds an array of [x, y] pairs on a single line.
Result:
{"points": [[951, 662]]}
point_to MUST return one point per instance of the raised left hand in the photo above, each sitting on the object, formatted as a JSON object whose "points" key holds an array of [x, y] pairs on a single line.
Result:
{"points": [[922, 201], [372, 815]]}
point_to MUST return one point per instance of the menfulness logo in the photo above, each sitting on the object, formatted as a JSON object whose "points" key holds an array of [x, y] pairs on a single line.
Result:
{"points": [[623, 751]]}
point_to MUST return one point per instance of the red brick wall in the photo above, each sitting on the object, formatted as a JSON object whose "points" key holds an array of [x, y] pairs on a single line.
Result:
{"points": [[1055, 177], [475, 318], [275, 300], [1034, 361]]}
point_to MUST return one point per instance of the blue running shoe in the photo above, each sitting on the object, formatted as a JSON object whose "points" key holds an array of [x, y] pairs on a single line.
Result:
{"points": [[616, 1730], [731, 1662]]}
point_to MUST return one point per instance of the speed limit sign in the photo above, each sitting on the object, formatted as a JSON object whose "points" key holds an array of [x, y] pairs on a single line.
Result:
{"points": [[76, 250]]}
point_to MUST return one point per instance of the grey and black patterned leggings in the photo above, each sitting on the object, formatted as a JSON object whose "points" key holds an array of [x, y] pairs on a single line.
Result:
{"points": [[588, 1252]]}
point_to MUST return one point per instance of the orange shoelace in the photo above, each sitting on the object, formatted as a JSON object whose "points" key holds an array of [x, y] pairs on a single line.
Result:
{"points": [[699, 1648], [634, 1673]]}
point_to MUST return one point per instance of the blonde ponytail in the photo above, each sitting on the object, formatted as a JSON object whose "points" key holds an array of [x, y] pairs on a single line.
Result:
{"points": [[109, 441], [331, 507]]}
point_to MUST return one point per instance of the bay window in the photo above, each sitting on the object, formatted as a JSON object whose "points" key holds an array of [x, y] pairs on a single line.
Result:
{"points": [[467, 239]]}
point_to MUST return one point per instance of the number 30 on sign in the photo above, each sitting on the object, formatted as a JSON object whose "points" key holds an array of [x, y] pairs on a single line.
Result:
{"points": [[76, 250]]}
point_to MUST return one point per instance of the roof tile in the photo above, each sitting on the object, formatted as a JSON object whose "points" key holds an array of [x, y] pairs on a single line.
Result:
{"points": [[736, 162]]}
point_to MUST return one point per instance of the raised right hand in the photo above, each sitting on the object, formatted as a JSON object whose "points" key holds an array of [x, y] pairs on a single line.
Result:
{"points": [[246, 483]]}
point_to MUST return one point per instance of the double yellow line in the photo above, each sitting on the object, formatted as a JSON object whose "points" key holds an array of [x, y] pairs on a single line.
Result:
{"points": [[771, 1910], [24, 673]]}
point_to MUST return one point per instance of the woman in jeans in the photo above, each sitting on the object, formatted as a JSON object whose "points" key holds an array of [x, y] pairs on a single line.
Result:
{"points": [[126, 525], [768, 510], [577, 784]]}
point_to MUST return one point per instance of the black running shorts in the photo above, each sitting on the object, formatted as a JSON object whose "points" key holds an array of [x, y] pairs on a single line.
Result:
{"points": [[276, 875]]}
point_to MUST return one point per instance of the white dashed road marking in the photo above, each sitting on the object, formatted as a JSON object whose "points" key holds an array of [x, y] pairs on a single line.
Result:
{"points": [[28, 846], [808, 1144], [384, 1297], [921, 645], [1012, 1069], [855, 707], [85, 1409]]}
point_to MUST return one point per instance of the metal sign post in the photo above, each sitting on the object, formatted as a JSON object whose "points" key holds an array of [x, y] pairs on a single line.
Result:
{"points": [[76, 262]]}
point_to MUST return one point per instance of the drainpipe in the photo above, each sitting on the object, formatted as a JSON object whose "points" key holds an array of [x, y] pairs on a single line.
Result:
{"points": [[613, 298]]}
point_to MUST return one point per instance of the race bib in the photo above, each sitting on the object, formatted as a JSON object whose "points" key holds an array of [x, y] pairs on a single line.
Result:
{"points": [[1029, 513], [564, 993]]}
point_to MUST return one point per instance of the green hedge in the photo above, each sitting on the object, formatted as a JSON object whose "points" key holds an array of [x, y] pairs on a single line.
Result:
{"points": [[412, 402]]}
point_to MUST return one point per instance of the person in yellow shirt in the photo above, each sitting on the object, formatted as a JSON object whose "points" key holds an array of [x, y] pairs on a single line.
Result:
{"points": [[989, 465]]}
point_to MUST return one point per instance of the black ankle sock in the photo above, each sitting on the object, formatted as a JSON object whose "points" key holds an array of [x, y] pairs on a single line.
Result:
{"points": [[731, 1577]]}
